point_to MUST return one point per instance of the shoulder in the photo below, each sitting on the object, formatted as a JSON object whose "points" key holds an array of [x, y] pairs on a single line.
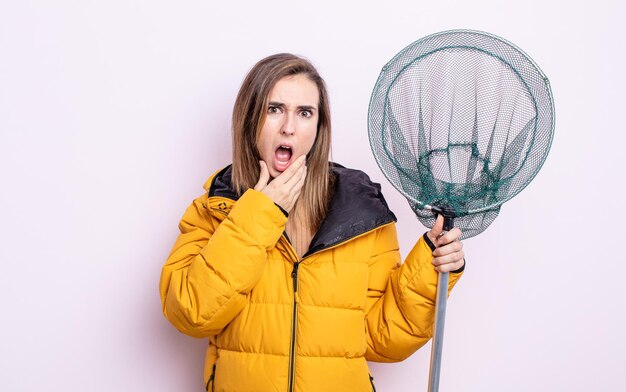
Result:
{"points": [[220, 183], [350, 174], [354, 191], [356, 185]]}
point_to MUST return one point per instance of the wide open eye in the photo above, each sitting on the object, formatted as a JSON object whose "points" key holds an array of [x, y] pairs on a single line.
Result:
{"points": [[306, 113], [273, 109]]}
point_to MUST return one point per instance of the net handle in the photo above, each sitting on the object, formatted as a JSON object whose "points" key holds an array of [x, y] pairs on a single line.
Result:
{"points": [[440, 312]]}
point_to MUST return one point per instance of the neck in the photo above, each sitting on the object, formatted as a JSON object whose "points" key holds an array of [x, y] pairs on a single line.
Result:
{"points": [[299, 231]]}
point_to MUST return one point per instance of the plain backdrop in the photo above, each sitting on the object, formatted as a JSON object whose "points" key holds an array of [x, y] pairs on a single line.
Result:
{"points": [[114, 113]]}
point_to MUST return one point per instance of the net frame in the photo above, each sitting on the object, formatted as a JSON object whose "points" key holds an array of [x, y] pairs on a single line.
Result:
{"points": [[510, 57]]}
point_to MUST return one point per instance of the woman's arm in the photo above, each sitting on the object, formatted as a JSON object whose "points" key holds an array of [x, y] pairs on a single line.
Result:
{"points": [[213, 267], [401, 298]]}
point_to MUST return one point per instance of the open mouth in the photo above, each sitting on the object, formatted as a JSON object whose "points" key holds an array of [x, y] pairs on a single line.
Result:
{"points": [[282, 157]]}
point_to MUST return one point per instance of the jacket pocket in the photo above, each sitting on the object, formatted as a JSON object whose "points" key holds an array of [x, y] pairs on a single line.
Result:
{"points": [[372, 382], [211, 381]]}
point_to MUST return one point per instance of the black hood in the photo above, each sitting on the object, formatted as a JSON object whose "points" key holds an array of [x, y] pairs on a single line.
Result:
{"points": [[357, 206]]}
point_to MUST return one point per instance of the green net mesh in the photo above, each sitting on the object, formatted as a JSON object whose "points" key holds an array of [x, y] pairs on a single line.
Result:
{"points": [[461, 120]]}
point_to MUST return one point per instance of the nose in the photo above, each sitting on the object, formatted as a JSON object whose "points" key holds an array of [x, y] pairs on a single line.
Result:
{"points": [[289, 125]]}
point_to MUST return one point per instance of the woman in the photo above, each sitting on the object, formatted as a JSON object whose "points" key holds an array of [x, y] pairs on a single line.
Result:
{"points": [[289, 264]]}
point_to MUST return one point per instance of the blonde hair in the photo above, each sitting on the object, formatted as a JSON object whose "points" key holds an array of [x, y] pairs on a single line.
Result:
{"points": [[249, 115]]}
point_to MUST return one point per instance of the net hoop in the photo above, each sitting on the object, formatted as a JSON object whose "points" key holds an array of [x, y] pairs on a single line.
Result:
{"points": [[379, 94]]}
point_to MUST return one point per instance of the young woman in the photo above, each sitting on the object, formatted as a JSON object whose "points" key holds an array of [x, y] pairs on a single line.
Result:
{"points": [[289, 263]]}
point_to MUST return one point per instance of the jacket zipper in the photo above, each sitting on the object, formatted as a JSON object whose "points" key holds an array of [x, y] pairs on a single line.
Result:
{"points": [[211, 380], [294, 320]]}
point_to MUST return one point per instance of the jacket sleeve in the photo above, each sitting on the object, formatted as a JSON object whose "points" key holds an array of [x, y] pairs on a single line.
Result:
{"points": [[213, 266], [400, 309]]}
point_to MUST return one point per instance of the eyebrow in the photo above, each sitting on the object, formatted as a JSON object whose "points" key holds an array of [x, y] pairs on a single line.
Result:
{"points": [[301, 107]]}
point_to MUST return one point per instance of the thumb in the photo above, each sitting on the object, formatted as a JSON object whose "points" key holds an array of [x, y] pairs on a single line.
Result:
{"points": [[436, 230], [264, 176]]}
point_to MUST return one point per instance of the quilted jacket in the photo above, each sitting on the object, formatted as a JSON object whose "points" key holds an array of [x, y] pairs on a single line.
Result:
{"points": [[278, 323]]}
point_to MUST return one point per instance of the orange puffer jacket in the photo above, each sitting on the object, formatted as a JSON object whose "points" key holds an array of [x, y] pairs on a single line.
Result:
{"points": [[279, 323]]}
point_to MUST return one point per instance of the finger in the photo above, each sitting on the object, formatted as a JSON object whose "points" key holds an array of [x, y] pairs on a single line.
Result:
{"points": [[449, 237], [436, 230], [298, 179], [448, 248], [296, 190], [451, 258], [451, 266], [264, 177]]}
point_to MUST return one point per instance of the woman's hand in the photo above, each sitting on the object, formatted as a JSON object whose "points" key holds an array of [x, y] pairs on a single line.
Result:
{"points": [[449, 254], [285, 189]]}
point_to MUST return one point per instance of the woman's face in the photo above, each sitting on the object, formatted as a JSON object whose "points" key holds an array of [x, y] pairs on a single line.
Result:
{"points": [[290, 124]]}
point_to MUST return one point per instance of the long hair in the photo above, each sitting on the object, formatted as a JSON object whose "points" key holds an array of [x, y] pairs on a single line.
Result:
{"points": [[249, 114]]}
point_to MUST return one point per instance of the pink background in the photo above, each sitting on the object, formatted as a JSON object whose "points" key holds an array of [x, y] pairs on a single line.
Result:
{"points": [[113, 113]]}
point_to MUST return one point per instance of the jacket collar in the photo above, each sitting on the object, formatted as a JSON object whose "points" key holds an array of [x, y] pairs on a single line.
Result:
{"points": [[348, 215]]}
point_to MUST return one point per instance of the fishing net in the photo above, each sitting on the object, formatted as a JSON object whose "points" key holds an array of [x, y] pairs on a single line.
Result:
{"points": [[460, 121]]}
